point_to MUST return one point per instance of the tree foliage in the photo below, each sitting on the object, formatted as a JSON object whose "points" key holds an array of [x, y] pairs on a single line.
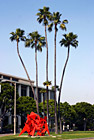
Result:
{"points": [[77, 114], [26, 105], [85, 114], [6, 99], [6, 102]]}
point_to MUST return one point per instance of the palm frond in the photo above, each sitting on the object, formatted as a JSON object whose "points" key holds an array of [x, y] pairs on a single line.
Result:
{"points": [[43, 90], [12, 38], [38, 14], [39, 20], [39, 48], [57, 87], [12, 33], [42, 38], [65, 21], [50, 27], [46, 8], [62, 26], [23, 38], [32, 45], [27, 43]]}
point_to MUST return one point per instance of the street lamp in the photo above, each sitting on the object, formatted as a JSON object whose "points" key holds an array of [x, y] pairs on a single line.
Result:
{"points": [[2, 81]]}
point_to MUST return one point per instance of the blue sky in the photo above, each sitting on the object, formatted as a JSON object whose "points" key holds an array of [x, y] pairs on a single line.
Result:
{"points": [[79, 77]]}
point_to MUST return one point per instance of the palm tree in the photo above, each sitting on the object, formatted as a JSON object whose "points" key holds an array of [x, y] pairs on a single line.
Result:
{"points": [[67, 41], [43, 16], [55, 20], [36, 41], [19, 36]]}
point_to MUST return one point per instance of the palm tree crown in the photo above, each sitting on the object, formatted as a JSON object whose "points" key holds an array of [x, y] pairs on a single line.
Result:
{"points": [[44, 15], [18, 35], [35, 39], [55, 20], [47, 83], [69, 39]]}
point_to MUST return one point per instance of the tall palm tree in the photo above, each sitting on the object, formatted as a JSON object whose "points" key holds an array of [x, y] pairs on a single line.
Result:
{"points": [[55, 20], [43, 16], [36, 41], [19, 36], [67, 41]]}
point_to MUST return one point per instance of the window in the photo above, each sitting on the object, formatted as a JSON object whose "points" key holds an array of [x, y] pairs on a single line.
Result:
{"points": [[39, 95], [51, 95], [23, 90], [14, 79], [16, 87], [31, 92], [6, 77]]}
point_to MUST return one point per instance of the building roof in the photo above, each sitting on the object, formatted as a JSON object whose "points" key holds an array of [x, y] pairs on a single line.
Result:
{"points": [[15, 78]]}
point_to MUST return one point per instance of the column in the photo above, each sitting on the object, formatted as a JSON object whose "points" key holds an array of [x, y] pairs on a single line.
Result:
{"points": [[11, 80], [19, 90], [41, 97], [27, 91]]}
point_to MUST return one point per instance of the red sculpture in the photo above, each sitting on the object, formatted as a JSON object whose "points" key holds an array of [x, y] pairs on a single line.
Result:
{"points": [[34, 124]]}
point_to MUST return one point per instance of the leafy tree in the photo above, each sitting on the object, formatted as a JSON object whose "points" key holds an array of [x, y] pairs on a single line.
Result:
{"points": [[85, 115], [67, 41], [51, 107], [43, 17], [55, 21], [6, 101], [68, 114], [25, 105], [36, 41], [51, 111], [19, 36]]}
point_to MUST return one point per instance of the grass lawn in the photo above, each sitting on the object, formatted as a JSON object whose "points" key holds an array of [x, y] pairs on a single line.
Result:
{"points": [[65, 135]]}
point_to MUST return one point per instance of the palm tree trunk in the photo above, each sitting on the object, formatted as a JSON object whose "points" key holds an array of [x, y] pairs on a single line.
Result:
{"points": [[62, 78], [43, 104], [36, 77], [47, 76], [27, 75], [56, 125]]}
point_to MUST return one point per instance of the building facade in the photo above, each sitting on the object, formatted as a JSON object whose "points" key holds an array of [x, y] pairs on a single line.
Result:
{"points": [[24, 89]]}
